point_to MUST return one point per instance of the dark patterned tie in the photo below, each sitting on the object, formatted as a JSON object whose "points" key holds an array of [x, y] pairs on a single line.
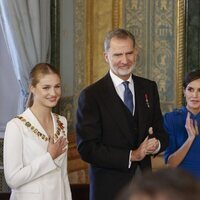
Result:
{"points": [[128, 96]]}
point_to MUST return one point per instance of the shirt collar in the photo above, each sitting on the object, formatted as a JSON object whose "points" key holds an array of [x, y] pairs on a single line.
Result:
{"points": [[117, 81]]}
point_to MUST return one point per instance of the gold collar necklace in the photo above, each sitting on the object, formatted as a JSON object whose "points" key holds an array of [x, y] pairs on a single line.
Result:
{"points": [[60, 128]]}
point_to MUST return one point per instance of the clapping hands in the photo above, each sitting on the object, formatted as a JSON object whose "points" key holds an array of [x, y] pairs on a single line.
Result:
{"points": [[147, 147], [191, 127], [152, 143]]}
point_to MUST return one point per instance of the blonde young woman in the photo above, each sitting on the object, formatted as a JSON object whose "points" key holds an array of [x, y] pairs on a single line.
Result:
{"points": [[35, 143]]}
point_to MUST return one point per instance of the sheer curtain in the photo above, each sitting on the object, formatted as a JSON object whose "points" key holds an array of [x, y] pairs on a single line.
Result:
{"points": [[9, 89], [26, 28]]}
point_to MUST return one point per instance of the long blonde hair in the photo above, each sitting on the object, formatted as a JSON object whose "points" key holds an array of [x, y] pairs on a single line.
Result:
{"points": [[36, 73]]}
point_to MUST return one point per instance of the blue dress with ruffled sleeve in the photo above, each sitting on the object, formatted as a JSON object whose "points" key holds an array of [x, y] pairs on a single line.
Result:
{"points": [[174, 124]]}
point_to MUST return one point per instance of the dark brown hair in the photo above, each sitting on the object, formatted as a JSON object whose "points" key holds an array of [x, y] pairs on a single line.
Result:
{"points": [[36, 74], [191, 76], [118, 33]]}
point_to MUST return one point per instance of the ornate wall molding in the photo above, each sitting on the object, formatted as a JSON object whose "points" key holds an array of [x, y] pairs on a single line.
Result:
{"points": [[78, 175], [156, 26], [102, 16], [117, 13], [55, 33], [180, 51], [55, 38], [79, 50], [79, 45], [89, 39]]}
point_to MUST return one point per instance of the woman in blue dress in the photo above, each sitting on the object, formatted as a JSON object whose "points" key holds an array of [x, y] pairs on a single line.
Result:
{"points": [[182, 125]]}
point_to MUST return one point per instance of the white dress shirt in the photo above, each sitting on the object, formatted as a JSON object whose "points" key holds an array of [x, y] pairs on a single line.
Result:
{"points": [[119, 87]]}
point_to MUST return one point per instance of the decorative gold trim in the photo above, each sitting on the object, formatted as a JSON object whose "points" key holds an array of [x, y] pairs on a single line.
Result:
{"points": [[117, 13], [95, 27], [55, 39], [60, 128], [180, 51], [89, 40]]}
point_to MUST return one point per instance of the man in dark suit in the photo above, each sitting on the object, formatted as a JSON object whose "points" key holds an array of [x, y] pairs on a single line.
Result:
{"points": [[118, 127]]}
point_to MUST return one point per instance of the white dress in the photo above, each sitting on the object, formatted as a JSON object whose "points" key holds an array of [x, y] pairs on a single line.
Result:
{"points": [[29, 169]]}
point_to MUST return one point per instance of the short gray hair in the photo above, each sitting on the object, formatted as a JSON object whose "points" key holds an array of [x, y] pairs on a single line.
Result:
{"points": [[118, 33]]}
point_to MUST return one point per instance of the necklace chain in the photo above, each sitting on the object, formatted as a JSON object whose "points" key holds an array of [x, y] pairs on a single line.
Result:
{"points": [[60, 128]]}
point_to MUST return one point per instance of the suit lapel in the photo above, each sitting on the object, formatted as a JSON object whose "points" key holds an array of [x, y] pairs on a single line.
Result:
{"points": [[142, 108], [115, 106]]}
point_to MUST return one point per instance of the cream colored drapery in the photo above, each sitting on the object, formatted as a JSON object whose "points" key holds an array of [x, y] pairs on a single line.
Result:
{"points": [[26, 28]]}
